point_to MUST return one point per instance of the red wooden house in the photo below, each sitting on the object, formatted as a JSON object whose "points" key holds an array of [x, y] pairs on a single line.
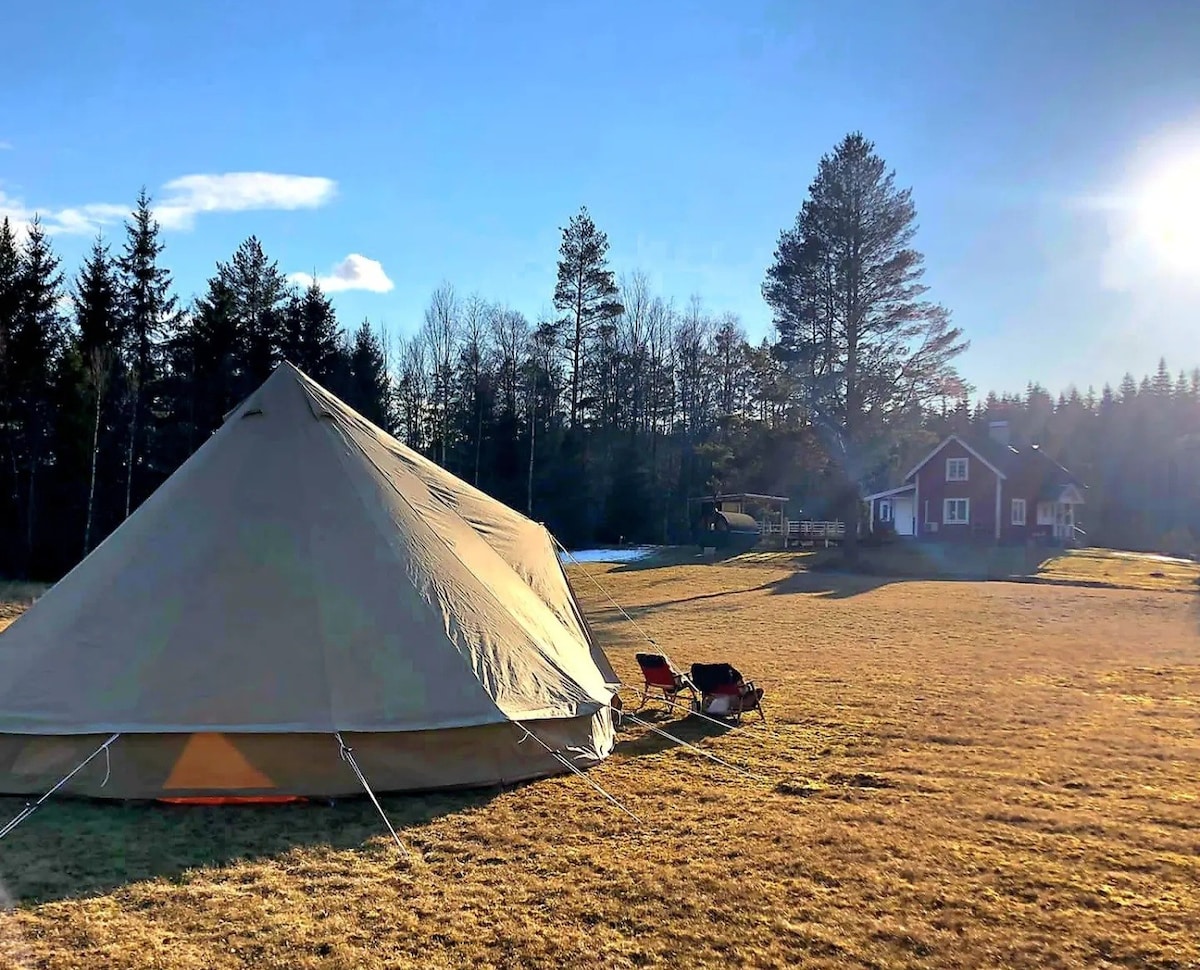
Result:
{"points": [[984, 491]]}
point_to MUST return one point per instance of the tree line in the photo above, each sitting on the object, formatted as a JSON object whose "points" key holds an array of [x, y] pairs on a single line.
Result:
{"points": [[601, 419]]}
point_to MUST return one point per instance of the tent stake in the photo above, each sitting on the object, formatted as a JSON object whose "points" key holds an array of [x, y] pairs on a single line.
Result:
{"points": [[557, 756], [34, 806], [348, 757]]}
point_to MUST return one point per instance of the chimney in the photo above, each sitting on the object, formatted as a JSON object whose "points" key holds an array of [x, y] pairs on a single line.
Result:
{"points": [[998, 432]]}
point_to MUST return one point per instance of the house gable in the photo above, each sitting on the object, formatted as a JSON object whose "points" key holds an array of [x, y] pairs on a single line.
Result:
{"points": [[941, 446]]}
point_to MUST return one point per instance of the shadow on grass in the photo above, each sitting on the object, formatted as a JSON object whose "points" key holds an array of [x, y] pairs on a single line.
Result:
{"points": [[664, 558], [833, 585], [688, 728], [74, 848]]}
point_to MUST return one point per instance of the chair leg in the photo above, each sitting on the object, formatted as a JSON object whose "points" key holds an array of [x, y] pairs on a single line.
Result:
{"points": [[642, 703]]}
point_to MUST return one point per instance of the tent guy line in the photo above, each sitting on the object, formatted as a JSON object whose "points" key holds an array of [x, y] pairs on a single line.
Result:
{"points": [[566, 762], [32, 807], [347, 755], [695, 748], [596, 582]]}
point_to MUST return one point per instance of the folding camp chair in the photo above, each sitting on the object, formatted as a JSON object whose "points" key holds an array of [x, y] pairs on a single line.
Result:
{"points": [[725, 693], [660, 674]]}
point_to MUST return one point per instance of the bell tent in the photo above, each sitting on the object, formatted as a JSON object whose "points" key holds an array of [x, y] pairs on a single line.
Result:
{"points": [[302, 579]]}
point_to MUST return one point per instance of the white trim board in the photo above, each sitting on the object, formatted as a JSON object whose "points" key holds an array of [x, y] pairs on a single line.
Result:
{"points": [[888, 493]]}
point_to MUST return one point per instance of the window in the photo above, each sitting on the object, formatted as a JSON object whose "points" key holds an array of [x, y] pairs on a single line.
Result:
{"points": [[956, 511], [956, 469], [1045, 513], [1018, 511], [885, 510]]}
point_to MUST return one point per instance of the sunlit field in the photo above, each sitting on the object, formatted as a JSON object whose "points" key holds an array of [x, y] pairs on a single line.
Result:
{"points": [[953, 774]]}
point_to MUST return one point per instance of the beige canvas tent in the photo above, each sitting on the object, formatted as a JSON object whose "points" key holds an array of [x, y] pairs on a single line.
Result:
{"points": [[304, 575]]}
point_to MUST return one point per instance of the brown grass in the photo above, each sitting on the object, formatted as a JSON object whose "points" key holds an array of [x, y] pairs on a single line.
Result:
{"points": [[15, 598], [1126, 570], [959, 775]]}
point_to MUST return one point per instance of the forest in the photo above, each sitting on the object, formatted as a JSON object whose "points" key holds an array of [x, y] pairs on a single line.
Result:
{"points": [[600, 420]]}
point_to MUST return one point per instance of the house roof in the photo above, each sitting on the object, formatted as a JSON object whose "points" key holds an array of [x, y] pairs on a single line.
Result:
{"points": [[1005, 460], [740, 496]]}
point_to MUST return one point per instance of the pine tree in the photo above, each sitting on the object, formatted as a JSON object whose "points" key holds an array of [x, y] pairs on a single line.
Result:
{"points": [[847, 300], [474, 378], [149, 311], [586, 293], [440, 335]]}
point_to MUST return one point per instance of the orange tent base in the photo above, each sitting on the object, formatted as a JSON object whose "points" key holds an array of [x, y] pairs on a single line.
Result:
{"points": [[235, 800]]}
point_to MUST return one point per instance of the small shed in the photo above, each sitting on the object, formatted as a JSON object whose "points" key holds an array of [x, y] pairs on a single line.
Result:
{"points": [[736, 519]]}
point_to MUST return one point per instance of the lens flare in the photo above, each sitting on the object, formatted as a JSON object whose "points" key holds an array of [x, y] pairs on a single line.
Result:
{"points": [[1165, 213]]}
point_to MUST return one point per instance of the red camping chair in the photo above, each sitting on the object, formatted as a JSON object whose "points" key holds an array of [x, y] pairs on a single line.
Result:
{"points": [[660, 674], [725, 693]]}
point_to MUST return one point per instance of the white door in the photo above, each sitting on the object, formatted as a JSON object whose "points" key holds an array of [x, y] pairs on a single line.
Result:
{"points": [[902, 515], [1064, 520]]}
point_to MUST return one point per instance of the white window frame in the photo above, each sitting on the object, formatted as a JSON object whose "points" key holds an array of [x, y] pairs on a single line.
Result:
{"points": [[1018, 512], [964, 463], [1045, 513], [885, 510], [948, 504]]}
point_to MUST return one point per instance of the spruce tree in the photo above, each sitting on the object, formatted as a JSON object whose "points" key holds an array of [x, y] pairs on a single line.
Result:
{"points": [[98, 339], [259, 293], [33, 349], [371, 388], [149, 312], [216, 351], [10, 284], [10, 305], [311, 337]]}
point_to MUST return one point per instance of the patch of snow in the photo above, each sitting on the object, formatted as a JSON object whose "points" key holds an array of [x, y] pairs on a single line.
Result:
{"points": [[632, 554], [1150, 557]]}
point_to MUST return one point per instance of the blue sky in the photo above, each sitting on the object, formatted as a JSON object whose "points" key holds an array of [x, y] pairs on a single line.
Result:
{"points": [[1050, 147]]}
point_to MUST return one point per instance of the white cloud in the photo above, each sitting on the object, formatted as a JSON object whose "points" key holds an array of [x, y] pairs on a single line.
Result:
{"points": [[79, 220], [355, 272], [183, 199], [190, 195], [84, 220]]}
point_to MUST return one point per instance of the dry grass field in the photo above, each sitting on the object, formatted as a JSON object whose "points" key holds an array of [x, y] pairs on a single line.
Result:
{"points": [[955, 774]]}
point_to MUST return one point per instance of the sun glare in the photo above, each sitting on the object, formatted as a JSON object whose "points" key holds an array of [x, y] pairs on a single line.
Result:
{"points": [[1166, 213]]}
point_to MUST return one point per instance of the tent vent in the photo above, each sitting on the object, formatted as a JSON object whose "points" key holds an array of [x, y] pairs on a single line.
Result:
{"points": [[252, 412]]}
